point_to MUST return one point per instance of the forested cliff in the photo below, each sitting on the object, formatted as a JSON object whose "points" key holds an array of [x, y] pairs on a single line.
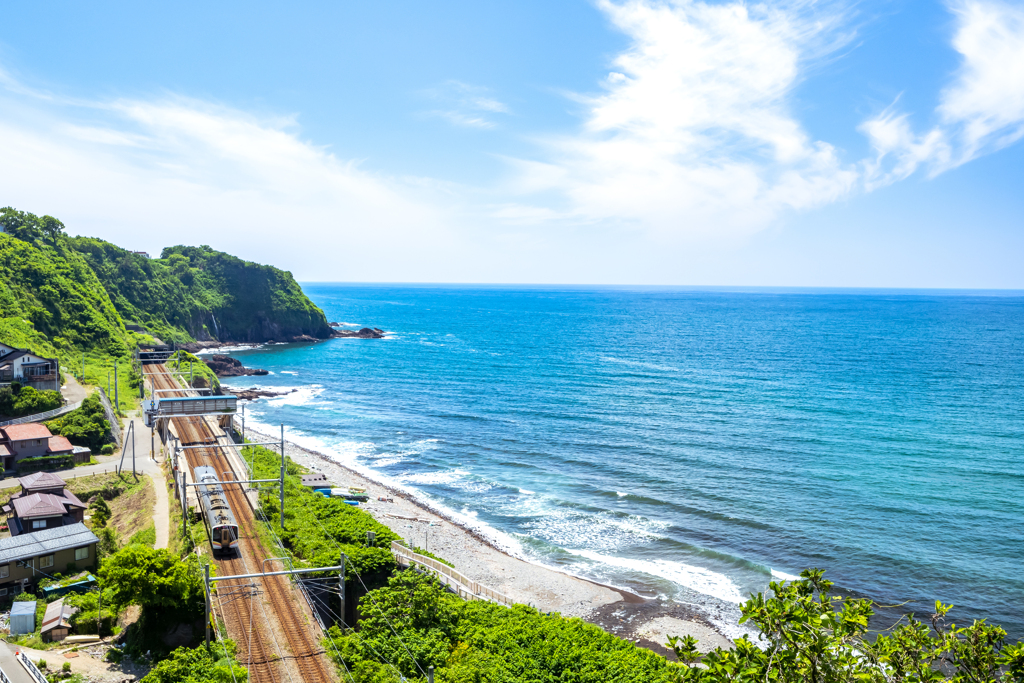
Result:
{"points": [[60, 293]]}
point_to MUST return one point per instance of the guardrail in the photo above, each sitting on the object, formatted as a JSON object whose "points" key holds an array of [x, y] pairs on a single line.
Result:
{"points": [[30, 667], [465, 587], [40, 417]]}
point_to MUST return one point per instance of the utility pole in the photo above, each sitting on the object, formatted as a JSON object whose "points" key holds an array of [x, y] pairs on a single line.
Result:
{"points": [[206, 570], [117, 401], [430, 674], [133, 453], [341, 587], [282, 475]]}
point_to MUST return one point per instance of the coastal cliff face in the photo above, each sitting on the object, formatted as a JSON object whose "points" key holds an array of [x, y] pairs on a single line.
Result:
{"points": [[197, 293], [64, 293]]}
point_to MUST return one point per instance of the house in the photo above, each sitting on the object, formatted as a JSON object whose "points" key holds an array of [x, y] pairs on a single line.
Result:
{"points": [[21, 365], [42, 482], [31, 440], [26, 558], [56, 621], [44, 503]]}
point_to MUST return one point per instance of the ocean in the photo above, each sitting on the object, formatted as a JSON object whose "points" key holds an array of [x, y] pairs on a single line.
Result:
{"points": [[690, 444]]}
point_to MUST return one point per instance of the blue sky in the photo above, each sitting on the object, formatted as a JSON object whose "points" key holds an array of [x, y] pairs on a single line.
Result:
{"points": [[643, 142]]}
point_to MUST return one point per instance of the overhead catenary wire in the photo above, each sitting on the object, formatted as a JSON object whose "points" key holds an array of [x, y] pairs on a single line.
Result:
{"points": [[341, 618]]}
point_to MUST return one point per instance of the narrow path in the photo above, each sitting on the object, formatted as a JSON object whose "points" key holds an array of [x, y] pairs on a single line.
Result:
{"points": [[72, 391]]}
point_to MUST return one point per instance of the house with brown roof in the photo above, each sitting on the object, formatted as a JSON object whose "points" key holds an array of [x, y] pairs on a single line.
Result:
{"points": [[41, 482], [44, 503], [31, 440]]}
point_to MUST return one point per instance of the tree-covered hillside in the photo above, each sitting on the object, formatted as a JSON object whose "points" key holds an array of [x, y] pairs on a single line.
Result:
{"points": [[50, 299], [61, 293]]}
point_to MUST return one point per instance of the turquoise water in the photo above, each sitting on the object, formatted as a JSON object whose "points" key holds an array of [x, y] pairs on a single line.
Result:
{"points": [[689, 444]]}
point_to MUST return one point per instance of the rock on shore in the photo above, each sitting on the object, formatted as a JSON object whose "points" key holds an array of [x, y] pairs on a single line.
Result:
{"points": [[226, 366], [365, 333]]}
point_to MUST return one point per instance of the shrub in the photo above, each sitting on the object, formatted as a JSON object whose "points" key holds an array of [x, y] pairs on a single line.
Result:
{"points": [[66, 668], [46, 462], [41, 664], [87, 426], [108, 449], [196, 665], [18, 401]]}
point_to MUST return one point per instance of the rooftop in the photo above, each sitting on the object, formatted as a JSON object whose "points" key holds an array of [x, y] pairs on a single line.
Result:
{"points": [[39, 505], [45, 542], [29, 430], [57, 615], [41, 480], [60, 444]]}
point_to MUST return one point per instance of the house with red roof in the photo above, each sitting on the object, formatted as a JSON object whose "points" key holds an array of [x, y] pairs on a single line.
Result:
{"points": [[30, 440]]}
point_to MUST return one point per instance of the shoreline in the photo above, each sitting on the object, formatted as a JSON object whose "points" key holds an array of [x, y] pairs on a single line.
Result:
{"points": [[643, 621]]}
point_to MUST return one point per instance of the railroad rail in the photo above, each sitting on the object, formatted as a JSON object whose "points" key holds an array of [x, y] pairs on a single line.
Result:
{"points": [[247, 622]]}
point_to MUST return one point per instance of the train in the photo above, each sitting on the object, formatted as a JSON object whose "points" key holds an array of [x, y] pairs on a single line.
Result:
{"points": [[220, 522]]}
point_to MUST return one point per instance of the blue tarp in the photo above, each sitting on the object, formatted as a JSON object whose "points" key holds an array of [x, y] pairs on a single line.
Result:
{"points": [[88, 583]]}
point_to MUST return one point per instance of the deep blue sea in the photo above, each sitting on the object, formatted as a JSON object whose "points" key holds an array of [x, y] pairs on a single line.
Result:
{"points": [[690, 443]]}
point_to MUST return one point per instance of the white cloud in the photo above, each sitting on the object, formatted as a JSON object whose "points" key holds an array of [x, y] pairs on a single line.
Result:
{"points": [[465, 104], [694, 134], [149, 174], [982, 111]]}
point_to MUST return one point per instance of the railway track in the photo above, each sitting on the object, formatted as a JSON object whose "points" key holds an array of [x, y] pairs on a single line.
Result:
{"points": [[250, 629]]}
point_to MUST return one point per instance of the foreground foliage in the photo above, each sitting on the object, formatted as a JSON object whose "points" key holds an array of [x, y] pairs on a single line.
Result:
{"points": [[196, 665], [413, 623], [809, 635]]}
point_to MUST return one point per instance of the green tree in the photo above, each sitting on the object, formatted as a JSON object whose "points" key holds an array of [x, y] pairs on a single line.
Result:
{"points": [[51, 228], [154, 579], [808, 635]]}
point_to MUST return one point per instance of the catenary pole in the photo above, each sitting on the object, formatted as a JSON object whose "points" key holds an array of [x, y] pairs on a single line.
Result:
{"points": [[341, 587], [282, 475], [206, 583]]}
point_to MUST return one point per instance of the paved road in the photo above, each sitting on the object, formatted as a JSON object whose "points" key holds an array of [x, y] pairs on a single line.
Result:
{"points": [[15, 671]]}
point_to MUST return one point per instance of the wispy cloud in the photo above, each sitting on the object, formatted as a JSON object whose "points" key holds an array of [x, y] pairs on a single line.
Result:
{"points": [[467, 105], [694, 133], [980, 112], [146, 174]]}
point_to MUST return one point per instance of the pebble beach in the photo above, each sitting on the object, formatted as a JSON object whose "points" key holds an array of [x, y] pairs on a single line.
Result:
{"points": [[645, 622]]}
